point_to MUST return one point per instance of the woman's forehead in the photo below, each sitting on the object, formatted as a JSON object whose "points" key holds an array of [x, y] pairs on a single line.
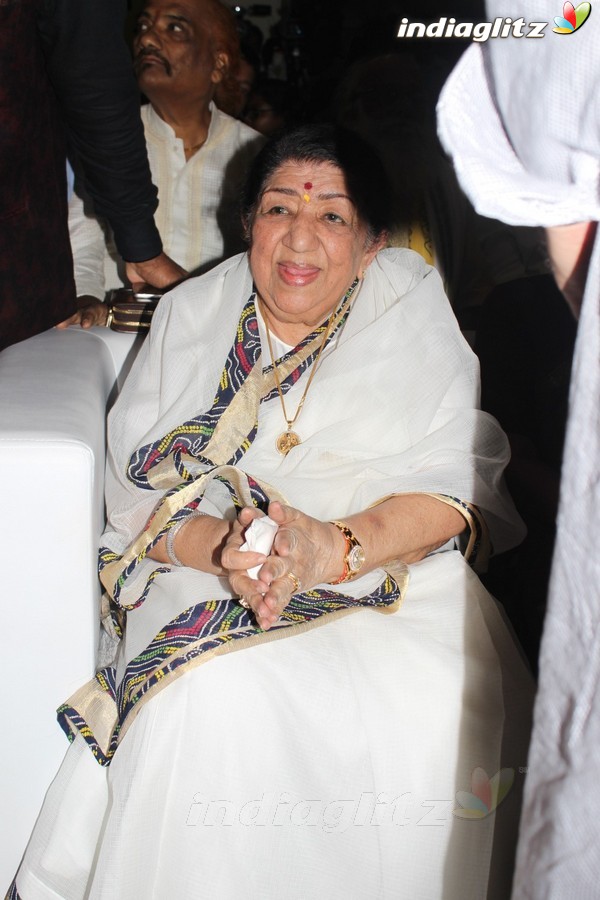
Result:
{"points": [[314, 177]]}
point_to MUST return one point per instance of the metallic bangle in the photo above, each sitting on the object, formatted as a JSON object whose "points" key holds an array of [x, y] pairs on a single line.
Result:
{"points": [[109, 316], [174, 531]]}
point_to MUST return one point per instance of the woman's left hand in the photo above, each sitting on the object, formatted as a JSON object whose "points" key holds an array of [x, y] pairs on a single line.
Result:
{"points": [[305, 552]]}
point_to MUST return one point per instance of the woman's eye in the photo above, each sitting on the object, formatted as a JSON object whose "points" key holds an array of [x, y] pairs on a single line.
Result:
{"points": [[334, 218], [276, 211]]}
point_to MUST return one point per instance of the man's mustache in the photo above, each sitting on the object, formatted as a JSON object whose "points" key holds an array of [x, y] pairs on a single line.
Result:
{"points": [[141, 56]]}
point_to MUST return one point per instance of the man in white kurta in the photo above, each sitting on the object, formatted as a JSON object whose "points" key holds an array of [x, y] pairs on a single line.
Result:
{"points": [[197, 214]]}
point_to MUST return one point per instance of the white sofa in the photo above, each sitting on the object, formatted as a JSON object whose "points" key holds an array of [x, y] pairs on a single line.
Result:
{"points": [[54, 392]]}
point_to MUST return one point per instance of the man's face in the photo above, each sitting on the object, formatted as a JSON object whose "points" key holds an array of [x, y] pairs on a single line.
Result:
{"points": [[173, 53]]}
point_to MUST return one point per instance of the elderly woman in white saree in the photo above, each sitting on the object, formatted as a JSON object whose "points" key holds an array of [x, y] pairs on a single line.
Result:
{"points": [[377, 711]]}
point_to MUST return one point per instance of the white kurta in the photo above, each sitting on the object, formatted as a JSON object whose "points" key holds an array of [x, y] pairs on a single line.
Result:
{"points": [[198, 202], [324, 763]]}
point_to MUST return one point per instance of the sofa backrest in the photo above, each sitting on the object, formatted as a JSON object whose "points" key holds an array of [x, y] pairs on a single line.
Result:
{"points": [[54, 390]]}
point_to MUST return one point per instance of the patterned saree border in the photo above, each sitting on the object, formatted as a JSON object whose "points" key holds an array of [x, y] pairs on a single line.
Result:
{"points": [[478, 549], [103, 714], [222, 435], [12, 893], [177, 503]]}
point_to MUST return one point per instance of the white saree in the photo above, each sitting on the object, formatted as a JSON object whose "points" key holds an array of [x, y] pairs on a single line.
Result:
{"points": [[339, 760]]}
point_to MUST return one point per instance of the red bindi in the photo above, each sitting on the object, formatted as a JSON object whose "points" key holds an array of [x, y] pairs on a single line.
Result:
{"points": [[308, 186]]}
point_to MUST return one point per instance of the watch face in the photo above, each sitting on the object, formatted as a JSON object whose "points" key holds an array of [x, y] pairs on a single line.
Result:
{"points": [[356, 558]]}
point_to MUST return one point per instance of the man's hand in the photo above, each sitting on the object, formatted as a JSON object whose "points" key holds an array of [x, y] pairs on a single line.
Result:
{"points": [[160, 272], [91, 311]]}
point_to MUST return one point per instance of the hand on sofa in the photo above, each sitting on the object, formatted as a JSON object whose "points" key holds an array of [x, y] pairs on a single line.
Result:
{"points": [[91, 311]]}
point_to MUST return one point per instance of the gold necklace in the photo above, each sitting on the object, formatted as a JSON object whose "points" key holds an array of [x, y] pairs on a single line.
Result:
{"points": [[288, 438]]}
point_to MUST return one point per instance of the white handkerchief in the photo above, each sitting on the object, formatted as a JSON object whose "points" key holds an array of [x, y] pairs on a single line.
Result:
{"points": [[259, 535]]}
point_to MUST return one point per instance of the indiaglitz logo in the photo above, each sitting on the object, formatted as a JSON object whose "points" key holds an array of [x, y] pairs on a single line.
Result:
{"points": [[447, 27], [486, 794], [477, 31], [573, 17]]}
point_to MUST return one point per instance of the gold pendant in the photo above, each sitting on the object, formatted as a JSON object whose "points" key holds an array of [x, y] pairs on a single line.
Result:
{"points": [[286, 441]]}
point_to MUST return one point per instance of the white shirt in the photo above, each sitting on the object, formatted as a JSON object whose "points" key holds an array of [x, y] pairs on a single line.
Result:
{"points": [[521, 119], [197, 215]]}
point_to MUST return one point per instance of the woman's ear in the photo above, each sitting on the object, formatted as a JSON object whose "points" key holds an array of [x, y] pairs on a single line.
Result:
{"points": [[246, 229], [371, 250]]}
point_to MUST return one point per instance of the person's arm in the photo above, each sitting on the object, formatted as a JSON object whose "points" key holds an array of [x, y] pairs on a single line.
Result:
{"points": [[200, 541], [160, 272], [90, 69], [570, 249], [88, 244], [89, 66], [404, 528]]}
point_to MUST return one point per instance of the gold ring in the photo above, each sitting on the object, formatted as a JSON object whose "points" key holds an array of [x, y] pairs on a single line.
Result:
{"points": [[295, 581], [243, 602]]}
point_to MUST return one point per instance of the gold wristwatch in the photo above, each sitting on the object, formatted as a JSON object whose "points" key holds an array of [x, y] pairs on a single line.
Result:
{"points": [[354, 557]]}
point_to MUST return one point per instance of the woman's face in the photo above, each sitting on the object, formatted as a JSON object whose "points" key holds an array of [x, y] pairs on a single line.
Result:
{"points": [[307, 246]]}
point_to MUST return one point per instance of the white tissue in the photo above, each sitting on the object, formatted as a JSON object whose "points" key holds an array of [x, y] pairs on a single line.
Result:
{"points": [[259, 535]]}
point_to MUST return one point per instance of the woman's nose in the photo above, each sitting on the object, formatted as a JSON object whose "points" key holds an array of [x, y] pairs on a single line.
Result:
{"points": [[301, 234]]}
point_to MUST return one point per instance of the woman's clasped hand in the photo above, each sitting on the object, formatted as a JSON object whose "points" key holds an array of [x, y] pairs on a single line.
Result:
{"points": [[305, 552]]}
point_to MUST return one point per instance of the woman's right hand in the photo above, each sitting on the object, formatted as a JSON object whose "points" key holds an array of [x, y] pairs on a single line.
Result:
{"points": [[236, 562]]}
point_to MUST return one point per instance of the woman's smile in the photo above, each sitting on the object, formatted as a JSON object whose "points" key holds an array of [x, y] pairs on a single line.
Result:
{"points": [[297, 274]]}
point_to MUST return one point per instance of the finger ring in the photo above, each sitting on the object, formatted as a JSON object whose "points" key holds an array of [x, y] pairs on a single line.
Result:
{"points": [[243, 602], [295, 581]]}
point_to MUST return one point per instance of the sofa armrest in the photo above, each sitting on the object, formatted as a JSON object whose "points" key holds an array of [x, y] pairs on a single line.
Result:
{"points": [[54, 390]]}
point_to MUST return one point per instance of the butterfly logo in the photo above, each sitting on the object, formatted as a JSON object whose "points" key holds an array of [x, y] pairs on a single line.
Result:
{"points": [[486, 793], [572, 18]]}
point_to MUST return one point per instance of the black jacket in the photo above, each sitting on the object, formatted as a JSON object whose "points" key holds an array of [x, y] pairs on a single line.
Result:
{"points": [[65, 78]]}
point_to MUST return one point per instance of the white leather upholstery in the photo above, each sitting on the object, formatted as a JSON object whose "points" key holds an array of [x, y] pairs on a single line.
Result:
{"points": [[54, 390]]}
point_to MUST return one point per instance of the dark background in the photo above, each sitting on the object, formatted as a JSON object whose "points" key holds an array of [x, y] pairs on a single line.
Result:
{"points": [[322, 39]]}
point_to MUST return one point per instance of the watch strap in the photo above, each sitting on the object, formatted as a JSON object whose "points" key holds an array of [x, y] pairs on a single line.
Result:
{"points": [[352, 542]]}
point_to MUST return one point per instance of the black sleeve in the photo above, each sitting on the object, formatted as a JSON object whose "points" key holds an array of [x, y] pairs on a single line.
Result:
{"points": [[90, 69]]}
